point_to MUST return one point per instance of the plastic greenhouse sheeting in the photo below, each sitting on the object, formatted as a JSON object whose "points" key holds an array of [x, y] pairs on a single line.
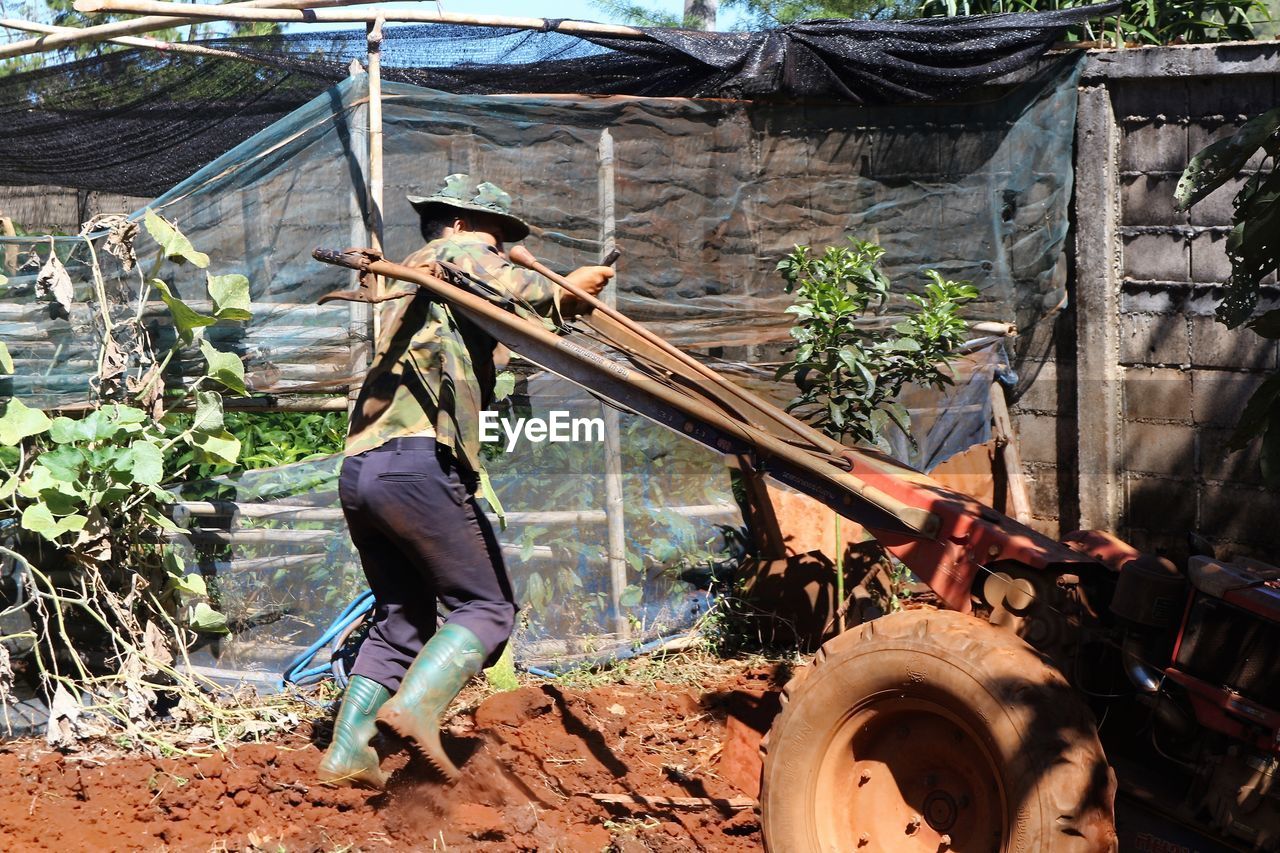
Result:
{"points": [[709, 195], [139, 121]]}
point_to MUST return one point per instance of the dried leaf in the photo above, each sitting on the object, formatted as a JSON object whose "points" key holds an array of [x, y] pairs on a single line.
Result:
{"points": [[155, 646], [122, 231], [136, 700], [148, 391], [54, 284], [93, 543], [199, 734], [186, 711], [64, 720], [253, 728], [6, 678], [114, 362], [120, 241]]}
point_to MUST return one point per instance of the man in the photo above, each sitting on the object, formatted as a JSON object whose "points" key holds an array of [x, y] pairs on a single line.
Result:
{"points": [[407, 485]]}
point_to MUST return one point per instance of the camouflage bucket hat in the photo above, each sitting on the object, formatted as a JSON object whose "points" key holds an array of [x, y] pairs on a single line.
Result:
{"points": [[464, 192]]}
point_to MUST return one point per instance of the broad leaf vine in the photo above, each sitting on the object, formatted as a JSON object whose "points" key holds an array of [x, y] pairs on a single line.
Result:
{"points": [[113, 607]]}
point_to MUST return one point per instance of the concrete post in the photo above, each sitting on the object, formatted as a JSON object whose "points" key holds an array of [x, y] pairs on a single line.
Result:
{"points": [[614, 506], [1097, 293]]}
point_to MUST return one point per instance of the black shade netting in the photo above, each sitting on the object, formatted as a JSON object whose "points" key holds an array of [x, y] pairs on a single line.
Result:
{"points": [[138, 121]]}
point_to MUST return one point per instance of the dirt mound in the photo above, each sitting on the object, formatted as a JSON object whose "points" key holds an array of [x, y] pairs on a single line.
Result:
{"points": [[635, 767]]}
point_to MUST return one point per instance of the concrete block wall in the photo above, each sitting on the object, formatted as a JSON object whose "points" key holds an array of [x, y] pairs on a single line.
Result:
{"points": [[1182, 378]]}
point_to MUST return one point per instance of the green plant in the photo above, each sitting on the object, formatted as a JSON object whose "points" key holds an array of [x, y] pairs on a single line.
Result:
{"points": [[850, 374], [267, 440], [1253, 247], [1141, 21], [85, 492]]}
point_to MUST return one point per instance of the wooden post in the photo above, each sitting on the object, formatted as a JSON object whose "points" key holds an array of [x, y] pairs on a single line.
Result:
{"points": [[374, 36], [104, 32], [614, 507], [1010, 457], [362, 344], [10, 250], [256, 10], [133, 41]]}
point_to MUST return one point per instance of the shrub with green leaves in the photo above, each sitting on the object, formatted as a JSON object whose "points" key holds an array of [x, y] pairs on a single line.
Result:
{"points": [[1253, 247], [850, 373], [267, 440], [1152, 22]]}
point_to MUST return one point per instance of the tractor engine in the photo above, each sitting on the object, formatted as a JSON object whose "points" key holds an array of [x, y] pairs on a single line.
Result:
{"points": [[1216, 704]]}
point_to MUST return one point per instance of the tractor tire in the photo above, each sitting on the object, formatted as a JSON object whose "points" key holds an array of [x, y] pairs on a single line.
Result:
{"points": [[930, 730]]}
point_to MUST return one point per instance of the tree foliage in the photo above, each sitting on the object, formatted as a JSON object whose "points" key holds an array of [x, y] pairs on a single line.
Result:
{"points": [[850, 374], [1141, 21], [763, 14], [760, 14], [1253, 247]]}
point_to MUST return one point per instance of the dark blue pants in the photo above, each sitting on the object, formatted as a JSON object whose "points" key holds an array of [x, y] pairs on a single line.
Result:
{"points": [[422, 538]]}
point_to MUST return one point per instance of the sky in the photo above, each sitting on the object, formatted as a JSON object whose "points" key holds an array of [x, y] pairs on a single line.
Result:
{"points": [[580, 10]]}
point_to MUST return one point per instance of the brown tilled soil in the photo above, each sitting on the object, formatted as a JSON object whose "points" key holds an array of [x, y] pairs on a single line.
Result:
{"points": [[532, 757]]}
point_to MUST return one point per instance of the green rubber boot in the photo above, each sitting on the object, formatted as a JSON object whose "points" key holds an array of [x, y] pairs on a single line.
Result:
{"points": [[350, 760], [439, 672]]}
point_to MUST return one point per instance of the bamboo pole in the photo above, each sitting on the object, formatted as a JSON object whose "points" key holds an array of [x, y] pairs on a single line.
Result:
{"points": [[103, 32], [374, 39], [295, 15], [281, 403], [128, 41], [1010, 458], [10, 249], [614, 507], [361, 323], [230, 511]]}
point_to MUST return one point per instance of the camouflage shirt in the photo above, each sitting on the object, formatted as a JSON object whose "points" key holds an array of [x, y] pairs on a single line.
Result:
{"points": [[433, 371]]}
